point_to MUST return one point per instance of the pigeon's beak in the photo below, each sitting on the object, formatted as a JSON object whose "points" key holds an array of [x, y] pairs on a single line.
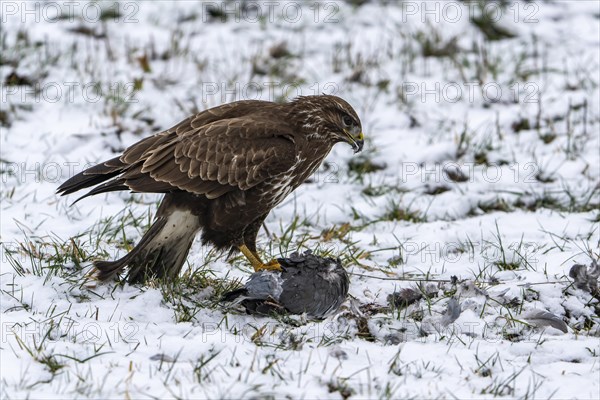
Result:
{"points": [[356, 139]]}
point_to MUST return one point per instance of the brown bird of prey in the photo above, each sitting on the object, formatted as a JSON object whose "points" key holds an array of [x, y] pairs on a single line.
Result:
{"points": [[222, 171]]}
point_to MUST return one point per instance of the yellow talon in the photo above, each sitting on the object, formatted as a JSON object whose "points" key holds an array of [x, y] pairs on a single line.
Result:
{"points": [[272, 265], [257, 264]]}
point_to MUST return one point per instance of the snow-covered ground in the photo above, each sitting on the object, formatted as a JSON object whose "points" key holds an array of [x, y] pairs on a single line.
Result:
{"points": [[481, 163]]}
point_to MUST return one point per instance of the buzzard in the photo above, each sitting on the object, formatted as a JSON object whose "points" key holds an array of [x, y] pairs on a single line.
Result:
{"points": [[222, 171]]}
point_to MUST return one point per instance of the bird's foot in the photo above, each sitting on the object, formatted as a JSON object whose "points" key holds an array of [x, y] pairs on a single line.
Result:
{"points": [[272, 265], [257, 264]]}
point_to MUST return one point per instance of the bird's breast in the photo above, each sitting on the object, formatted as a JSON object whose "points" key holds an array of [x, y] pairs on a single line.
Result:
{"points": [[275, 189]]}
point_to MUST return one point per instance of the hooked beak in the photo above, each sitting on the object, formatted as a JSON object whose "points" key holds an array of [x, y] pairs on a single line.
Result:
{"points": [[355, 140]]}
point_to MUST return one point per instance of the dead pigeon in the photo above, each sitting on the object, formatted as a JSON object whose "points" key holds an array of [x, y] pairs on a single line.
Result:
{"points": [[307, 284]]}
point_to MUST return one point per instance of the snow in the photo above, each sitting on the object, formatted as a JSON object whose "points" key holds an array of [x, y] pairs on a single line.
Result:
{"points": [[526, 213]]}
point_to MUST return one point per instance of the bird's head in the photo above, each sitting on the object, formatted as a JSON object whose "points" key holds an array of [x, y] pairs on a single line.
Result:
{"points": [[330, 118]]}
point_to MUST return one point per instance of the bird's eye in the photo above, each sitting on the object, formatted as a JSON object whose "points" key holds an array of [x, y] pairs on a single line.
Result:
{"points": [[347, 121]]}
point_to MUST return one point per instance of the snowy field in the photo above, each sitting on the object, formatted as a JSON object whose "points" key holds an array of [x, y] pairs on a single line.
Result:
{"points": [[477, 191]]}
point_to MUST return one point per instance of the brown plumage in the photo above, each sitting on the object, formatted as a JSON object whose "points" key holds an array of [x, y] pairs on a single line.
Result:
{"points": [[222, 171]]}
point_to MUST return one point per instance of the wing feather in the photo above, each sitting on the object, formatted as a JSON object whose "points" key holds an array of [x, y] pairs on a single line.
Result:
{"points": [[235, 146], [211, 159]]}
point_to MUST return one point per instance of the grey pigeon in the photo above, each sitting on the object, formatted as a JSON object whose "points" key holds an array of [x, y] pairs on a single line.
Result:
{"points": [[307, 284]]}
